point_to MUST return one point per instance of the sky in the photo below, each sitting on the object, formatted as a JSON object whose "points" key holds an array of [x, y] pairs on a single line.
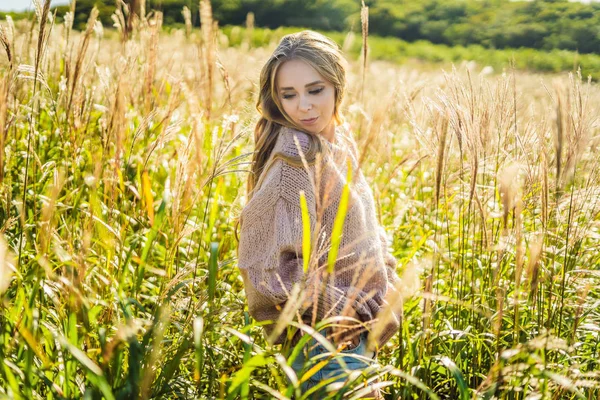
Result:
{"points": [[21, 5]]}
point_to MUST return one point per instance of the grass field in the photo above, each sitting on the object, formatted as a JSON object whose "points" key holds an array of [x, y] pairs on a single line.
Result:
{"points": [[399, 51], [123, 168]]}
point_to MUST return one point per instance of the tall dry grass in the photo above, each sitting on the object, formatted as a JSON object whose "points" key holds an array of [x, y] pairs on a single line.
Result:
{"points": [[124, 154]]}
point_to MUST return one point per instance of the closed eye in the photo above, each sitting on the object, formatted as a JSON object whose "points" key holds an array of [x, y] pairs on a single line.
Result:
{"points": [[312, 92]]}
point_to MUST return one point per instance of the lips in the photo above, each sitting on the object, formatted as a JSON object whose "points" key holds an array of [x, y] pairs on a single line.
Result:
{"points": [[309, 121]]}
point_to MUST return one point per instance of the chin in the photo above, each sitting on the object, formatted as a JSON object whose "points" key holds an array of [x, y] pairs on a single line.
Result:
{"points": [[313, 130]]}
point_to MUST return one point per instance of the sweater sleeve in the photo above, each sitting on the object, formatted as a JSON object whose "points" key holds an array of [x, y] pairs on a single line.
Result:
{"points": [[270, 256], [271, 262]]}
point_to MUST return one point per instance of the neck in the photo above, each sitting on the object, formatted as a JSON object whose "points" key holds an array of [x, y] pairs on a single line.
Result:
{"points": [[329, 132]]}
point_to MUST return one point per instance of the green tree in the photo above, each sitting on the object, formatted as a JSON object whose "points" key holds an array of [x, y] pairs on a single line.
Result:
{"points": [[540, 24]]}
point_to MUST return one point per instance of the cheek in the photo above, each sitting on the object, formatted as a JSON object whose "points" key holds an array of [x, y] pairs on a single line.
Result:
{"points": [[329, 102], [287, 107]]}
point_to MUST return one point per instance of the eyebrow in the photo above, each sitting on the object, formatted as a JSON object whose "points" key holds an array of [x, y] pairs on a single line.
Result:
{"points": [[307, 85]]}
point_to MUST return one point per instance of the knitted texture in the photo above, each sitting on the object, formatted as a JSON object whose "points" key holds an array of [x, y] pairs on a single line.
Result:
{"points": [[270, 254]]}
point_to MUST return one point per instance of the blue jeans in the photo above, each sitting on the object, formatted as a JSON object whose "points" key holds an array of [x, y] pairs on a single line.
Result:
{"points": [[333, 370]]}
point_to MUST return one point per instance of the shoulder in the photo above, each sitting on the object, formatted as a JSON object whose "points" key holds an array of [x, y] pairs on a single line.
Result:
{"points": [[284, 175], [281, 181], [346, 138], [293, 144]]}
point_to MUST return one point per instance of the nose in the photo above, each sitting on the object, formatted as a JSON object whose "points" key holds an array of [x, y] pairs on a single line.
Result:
{"points": [[305, 104]]}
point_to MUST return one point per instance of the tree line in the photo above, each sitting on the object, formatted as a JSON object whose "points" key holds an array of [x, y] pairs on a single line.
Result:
{"points": [[538, 24]]}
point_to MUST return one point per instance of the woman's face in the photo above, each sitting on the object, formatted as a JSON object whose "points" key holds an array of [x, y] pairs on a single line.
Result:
{"points": [[306, 97]]}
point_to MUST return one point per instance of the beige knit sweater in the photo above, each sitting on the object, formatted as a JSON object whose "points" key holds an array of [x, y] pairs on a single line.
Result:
{"points": [[270, 242]]}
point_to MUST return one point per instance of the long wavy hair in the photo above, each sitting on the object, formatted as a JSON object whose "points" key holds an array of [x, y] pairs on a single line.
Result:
{"points": [[320, 52]]}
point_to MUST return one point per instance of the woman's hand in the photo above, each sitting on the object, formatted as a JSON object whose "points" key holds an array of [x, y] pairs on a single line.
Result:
{"points": [[347, 333]]}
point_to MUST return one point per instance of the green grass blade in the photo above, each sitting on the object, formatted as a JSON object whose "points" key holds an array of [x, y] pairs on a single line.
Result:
{"points": [[213, 270], [11, 379], [306, 233], [95, 374], [198, 347], [463, 388], [338, 224], [243, 375]]}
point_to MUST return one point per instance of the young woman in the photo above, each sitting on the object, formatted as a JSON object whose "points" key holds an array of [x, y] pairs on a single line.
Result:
{"points": [[302, 149]]}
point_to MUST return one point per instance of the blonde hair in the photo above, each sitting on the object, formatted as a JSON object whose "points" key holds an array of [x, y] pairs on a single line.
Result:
{"points": [[320, 52]]}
